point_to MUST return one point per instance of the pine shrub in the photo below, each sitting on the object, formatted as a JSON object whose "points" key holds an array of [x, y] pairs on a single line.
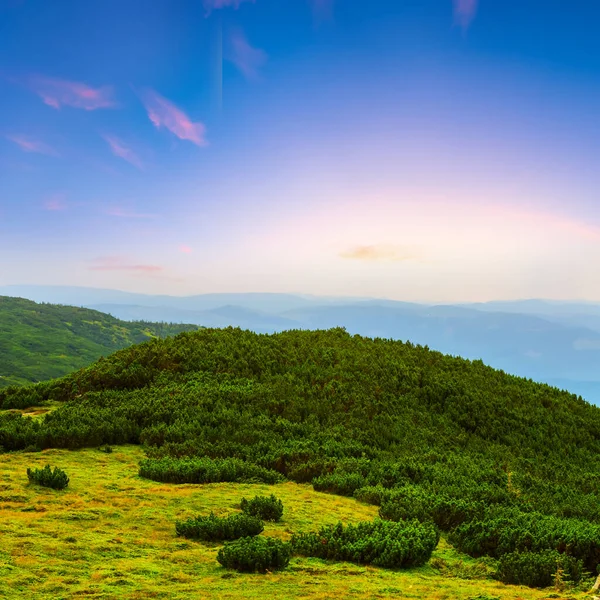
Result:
{"points": [[213, 528], [538, 569], [381, 543], [206, 470], [343, 484], [267, 508], [56, 479], [255, 554]]}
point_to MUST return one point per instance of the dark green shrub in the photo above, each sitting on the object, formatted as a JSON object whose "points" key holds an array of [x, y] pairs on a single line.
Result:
{"points": [[508, 531], [206, 470], [381, 543], [416, 503], [537, 569], [267, 508], [213, 528], [56, 479], [106, 449], [343, 484], [372, 494], [255, 555]]}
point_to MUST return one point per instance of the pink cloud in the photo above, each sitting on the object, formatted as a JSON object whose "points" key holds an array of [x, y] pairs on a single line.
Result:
{"points": [[464, 12], [28, 144], [246, 58], [56, 202], [164, 113], [185, 249], [60, 92], [211, 5], [120, 149], [119, 263], [117, 211]]}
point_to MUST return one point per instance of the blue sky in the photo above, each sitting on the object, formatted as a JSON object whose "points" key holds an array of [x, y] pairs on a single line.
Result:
{"points": [[431, 150]]}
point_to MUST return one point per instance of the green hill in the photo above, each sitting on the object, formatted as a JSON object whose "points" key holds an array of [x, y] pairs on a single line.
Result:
{"points": [[505, 468], [42, 341]]}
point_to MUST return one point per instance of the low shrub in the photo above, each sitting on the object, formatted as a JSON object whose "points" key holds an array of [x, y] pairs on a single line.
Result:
{"points": [[415, 503], [106, 449], [267, 508], [213, 528], [343, 484], [56, 479], [503, 532], [538, 569], [255, 555], [381, 543], [206, 470], [372, 494]]}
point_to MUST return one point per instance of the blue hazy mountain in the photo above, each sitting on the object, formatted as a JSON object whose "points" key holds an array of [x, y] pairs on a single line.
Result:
{"points": [[552, 342]]}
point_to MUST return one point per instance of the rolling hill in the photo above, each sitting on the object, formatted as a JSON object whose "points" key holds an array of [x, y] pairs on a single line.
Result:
{"points": [[42, 341]]}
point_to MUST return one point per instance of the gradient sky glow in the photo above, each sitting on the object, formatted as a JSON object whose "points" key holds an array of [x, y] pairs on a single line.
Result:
{"points": [[428, 150]]}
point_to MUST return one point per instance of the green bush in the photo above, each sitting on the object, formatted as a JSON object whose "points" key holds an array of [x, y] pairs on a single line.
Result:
{"points": [[267, 508], [255, 555], [106, 449], [372, 494], [381, 543], [56, 479], [415, 503], [206, 470], [537, 569], [343, 484], [213, 528], [507, 531]]}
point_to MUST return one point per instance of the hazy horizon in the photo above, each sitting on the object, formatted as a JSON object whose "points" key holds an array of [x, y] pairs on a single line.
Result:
{"points": [[440, 151]]}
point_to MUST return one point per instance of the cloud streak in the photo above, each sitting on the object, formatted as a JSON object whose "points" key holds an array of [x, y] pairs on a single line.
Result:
{"points": [[378, 253], [164, 114], [245, 57], [119, 263], [57, 202], [120, 149], [211, 5], [28, 144], [117, 211], [464, 12], [61, 92]]}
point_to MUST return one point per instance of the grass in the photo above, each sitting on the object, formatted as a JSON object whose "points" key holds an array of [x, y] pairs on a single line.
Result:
{"points": [[111, 535]]}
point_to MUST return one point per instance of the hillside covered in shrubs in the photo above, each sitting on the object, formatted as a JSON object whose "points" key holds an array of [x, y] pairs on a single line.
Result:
{"points": [[504, 467], [41, 341]]}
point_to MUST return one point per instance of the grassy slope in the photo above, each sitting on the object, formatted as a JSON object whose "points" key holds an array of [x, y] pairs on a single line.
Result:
{"points": [[110, 535], [41, 341]]}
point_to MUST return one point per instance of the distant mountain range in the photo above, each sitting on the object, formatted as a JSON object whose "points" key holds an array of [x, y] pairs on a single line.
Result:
{"points": [[547, 341]]}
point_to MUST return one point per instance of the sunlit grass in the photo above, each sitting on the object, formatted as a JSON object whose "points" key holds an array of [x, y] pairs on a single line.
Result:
{"points": [[111, 535]]}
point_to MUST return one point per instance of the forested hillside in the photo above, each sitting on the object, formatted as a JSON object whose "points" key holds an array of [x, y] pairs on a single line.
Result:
{"points": [[506, 467], [42, 341]]}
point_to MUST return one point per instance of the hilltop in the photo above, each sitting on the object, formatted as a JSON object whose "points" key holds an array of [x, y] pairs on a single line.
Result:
{"points": [[506, 468], [42, 341]]}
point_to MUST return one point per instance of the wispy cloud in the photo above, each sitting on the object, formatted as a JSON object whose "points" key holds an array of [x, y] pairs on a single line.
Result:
{"points": [[464, 12], [56, 202], [60, 92], [117, 211], [185, 249], [211, 5], [29, 144], [120, 149], [381, 252], [244, 56], [164, 113], [322, 9], [120, 263]]}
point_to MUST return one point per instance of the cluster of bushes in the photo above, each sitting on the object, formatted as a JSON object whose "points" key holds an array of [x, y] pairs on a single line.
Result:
{"points": [[213, 528], [205, 470], [380, 543], [53, 478], [267, 508], [255, 554], [506, 531], [539, 569], [417, 503]]}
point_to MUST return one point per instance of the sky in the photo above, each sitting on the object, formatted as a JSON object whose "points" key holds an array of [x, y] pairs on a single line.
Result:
{"points": [[419, 150]]}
